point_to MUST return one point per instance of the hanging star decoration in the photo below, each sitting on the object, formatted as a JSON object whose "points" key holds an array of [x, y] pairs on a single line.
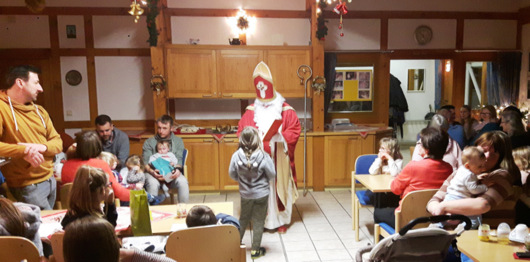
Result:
{"points": [[341, 9], [242, 20]]}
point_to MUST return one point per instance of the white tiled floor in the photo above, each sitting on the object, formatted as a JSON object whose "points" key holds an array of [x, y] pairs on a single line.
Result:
{"points": [[321, 228]]}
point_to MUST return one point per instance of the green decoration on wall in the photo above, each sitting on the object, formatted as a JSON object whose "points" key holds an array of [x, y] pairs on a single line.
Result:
{"points": [[322, 29], [152, 13]]}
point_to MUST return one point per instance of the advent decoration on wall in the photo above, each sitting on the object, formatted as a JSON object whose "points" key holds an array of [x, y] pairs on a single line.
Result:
{"points": [[35, 6], [322, 29], [136, 9], [152, 13], [341, 9]]}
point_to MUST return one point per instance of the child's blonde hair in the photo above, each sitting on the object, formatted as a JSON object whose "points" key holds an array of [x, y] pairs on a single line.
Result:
{"points": [[392, 145], [135, 160], [88, 183], [249, 141], [521, 156], [108, 157], [472, 152]]}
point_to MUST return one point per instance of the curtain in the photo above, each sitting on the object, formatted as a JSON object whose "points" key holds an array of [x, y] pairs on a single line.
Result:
{"points": [[330, 62], [438, 68], [502, 81]]}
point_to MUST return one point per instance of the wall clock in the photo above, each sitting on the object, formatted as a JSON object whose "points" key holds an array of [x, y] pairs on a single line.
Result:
{"points": [[423, 34], [73, 77]]}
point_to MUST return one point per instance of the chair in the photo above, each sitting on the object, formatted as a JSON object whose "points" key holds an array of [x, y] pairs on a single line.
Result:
{"points": [[205, 244], [65, 196], [57, 246], [362, 165], [173, 191], [414, 205], [18, 249], [412, 150]]}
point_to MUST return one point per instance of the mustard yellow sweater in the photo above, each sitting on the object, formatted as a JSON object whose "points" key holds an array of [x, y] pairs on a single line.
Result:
{"points": [[26, 123]]}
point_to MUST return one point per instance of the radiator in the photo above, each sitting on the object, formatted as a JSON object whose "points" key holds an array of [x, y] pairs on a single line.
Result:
{"points": [[411, 128]]}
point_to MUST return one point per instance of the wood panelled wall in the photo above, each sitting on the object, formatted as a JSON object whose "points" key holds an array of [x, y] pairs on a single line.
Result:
{"points": [[380, 59]]}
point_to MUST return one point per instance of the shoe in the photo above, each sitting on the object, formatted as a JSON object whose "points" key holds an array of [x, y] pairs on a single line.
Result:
{"points": [[282, 230], [257, 253]]}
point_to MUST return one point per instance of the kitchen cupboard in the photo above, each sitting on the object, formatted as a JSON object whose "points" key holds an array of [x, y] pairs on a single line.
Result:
{"points": [[226, 71]]}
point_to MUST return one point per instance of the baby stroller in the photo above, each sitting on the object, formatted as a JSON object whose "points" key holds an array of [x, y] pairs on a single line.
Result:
{"points": [[424, 244]]}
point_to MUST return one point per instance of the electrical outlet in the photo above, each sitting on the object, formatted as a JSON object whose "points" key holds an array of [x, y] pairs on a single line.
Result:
{"points": [[68, 112]]}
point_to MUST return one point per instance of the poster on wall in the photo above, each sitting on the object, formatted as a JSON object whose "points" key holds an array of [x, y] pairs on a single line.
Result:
{"points": [[352, 85]]}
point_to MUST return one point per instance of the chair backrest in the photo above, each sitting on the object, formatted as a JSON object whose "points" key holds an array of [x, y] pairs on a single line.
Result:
{"points": [[411, 149], [363, 163], [184, 159], [205, 244], [65, 195], [57, 246], [414, 205], [17, 249]]}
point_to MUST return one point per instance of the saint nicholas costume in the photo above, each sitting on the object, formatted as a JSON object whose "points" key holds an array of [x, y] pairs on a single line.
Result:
{"points": [[279, 142]]}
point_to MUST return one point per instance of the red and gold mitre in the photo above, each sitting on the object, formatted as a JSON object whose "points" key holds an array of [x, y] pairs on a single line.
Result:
{"points": [[263, 83]]}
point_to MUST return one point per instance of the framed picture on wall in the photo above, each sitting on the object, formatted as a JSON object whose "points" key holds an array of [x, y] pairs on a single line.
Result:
{"points": [[353, 90]]}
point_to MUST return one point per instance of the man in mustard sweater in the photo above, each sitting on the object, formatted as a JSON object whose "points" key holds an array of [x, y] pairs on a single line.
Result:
{"points": [[27, 136]]}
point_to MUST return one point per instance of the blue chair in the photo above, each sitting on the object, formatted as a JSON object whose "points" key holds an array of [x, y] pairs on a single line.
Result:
{"points": [[359, 197], [172, 191]]}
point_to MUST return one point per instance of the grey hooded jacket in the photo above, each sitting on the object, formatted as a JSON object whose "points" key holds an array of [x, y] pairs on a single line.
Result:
{"points": [[253, 181]]}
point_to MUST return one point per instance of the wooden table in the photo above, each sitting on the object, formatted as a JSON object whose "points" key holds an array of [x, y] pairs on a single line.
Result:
{"points": [[376, 184], [163, 227], [469, 244]]}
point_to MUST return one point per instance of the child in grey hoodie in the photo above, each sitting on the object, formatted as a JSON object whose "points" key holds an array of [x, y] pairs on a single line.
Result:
{"points": [[252, 168]]}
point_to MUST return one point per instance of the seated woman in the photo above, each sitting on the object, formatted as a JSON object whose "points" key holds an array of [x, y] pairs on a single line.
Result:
{"points": [[428, 173], [90, 188], [20, 219], [488, 122], [87, 150], [452, 154], [502, 175], [512, 124], [93, 239]]}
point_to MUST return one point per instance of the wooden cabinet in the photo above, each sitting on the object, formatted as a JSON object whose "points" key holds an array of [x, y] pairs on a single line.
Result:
{"points": [[191, 73], [235, 68], [227, 147], [284, 67], [299, 162], [340, 154], [203, 163], [226, 71]]}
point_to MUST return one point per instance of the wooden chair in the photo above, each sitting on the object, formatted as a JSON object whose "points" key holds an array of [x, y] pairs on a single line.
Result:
{"points": [[205, 244], [414, 205], [412, 151], [65, 196], [173, 191], [57, 246], [18, 249], [362, 164]]}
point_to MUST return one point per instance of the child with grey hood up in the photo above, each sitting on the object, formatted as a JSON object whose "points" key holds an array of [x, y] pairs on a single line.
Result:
{"points": [[252, 168]]}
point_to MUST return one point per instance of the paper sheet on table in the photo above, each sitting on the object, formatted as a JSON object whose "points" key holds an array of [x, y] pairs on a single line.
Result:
{"points": [[176, 227]]}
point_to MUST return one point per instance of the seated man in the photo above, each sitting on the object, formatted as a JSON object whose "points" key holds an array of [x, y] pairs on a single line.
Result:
{"points": [[114, 140], [456, 130], [153, 180]]}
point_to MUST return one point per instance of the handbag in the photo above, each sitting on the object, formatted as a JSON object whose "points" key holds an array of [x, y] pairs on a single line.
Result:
{"points": [[140, 215]]}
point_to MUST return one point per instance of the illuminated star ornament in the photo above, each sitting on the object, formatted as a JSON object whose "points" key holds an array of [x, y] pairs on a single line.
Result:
{"points": [[341, 9], [242, 20]]}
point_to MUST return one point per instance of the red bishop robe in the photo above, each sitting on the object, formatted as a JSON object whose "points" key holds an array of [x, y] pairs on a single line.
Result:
{"points": [[290, 130]]}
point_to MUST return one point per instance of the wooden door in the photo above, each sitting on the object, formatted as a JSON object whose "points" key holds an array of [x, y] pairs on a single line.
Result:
{"points": [[227, 147], [191, 73], [234, 72], [284, 67], [299, 162], [203, 164]]}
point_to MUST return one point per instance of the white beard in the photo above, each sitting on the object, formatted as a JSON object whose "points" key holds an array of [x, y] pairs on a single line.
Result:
{"points": [[266, 112]]}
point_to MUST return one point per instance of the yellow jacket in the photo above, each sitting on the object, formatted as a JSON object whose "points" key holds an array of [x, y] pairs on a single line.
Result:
{"points": [[26, 123]]}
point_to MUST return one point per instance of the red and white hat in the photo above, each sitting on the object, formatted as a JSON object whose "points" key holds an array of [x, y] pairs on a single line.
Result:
{"points": [[263, 83]]}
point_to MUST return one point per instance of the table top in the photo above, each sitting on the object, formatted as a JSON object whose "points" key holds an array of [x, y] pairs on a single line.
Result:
{"points": [[469, 244], [163, 226], [375, 183]]}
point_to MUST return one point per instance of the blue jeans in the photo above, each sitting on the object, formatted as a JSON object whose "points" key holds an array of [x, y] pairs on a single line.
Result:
{"points": [[42, 194]]}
